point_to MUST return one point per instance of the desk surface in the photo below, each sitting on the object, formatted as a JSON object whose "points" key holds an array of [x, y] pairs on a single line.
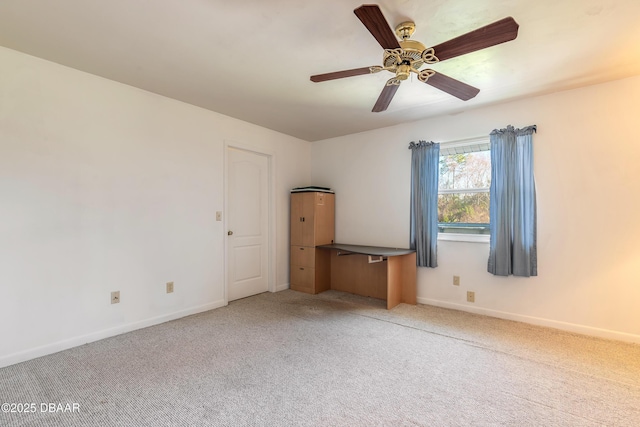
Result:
{"points": [[368, 250]]}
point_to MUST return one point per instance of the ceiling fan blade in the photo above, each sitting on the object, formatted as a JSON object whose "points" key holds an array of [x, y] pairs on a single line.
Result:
{"points": [[340, 74], [385, 98], [372, 18], [500, 31], [452, 86]]}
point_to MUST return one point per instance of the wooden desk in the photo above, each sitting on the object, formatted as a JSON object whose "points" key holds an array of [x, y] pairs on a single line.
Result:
{"points": [[354, 270]]}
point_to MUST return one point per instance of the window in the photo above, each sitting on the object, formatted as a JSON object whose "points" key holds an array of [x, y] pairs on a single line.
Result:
{"points": [[463, 188]]}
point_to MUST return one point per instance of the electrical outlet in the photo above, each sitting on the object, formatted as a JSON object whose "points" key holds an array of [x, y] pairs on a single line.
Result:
{"points": [[115, 297], [471, 296], [219, 216], [456, 280], [169, 287]]}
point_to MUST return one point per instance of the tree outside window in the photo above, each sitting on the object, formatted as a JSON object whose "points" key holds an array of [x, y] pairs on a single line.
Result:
{"points": [[463, 195]]}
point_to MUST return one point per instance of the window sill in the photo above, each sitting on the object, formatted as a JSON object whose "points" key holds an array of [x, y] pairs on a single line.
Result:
{"points": [[471, 238]]}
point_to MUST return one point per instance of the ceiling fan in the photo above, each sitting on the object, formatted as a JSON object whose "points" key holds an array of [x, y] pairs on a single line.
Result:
{"points": [[408, 56]]}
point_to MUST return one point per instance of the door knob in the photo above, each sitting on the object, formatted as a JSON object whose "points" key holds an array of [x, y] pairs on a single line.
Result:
{"points": [[229, 233]]}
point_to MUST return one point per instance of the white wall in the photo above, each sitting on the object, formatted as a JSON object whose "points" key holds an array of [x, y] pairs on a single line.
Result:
{"points": [[106, 187], [588, 186]]}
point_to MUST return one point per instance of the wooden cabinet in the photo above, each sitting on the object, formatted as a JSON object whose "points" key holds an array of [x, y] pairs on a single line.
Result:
{"points": [[312, 224], [312, 219]]}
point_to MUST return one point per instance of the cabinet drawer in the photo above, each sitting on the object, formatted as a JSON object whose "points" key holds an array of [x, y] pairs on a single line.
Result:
{"points": [[303, 256], [302, 279]]}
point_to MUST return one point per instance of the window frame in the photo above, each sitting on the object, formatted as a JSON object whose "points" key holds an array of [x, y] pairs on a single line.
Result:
{"points": [[461, 144]]}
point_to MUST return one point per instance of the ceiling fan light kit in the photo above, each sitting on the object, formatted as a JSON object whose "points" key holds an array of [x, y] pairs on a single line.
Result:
{"points": [[408, 56]]}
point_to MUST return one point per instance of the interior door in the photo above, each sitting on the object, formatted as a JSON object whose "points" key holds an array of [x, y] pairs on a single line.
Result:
{"points": [[247, 223]]}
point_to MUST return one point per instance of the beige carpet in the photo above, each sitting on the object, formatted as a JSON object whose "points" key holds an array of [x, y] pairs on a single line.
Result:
{"points": [[291, 359]]}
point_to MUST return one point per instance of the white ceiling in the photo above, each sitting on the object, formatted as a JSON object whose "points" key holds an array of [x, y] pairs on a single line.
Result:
{"points": [[251, 59]]}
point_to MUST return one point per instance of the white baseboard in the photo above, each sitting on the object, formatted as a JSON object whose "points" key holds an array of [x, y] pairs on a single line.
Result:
{"points": [[565, 326], [282, 287], [55, 347]]}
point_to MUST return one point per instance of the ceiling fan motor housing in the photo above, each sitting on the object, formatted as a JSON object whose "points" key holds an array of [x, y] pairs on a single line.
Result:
{"points": [[411, 56]]}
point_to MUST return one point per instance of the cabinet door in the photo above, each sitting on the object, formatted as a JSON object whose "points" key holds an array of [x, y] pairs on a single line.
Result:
{"points": [[312, 219], [302, 217], [308, 218], [324, 219], [296, 219]]}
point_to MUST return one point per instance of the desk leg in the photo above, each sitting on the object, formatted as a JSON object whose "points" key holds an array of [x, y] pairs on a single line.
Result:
{"points": [[401, 280]]}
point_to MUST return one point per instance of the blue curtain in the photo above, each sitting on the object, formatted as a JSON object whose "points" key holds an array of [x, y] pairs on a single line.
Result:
{"points": [[425, 157], [513, 247]]}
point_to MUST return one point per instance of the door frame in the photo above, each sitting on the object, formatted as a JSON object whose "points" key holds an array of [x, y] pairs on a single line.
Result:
{"points": [[271, 212]]}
